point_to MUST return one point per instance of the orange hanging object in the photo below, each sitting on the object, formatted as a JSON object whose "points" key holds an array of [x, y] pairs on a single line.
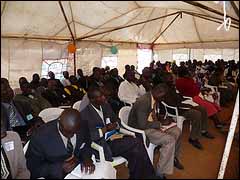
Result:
{"points": [[71, 48]]}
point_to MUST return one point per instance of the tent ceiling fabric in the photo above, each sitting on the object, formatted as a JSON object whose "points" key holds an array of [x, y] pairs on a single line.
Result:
{"points": [[45, 19]]}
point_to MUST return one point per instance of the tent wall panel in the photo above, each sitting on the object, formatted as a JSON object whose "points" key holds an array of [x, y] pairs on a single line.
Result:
{"points": [[126, 56]]}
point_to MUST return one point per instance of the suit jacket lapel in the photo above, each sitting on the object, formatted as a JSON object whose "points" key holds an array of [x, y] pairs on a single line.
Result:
{"points": [[59, 140], [96, 116]]}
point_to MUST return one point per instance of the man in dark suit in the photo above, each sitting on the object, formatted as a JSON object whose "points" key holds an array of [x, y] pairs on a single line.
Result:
{"points": [[196, 114], [58, 147], [101, 120], [37, 102], [21, 117]]}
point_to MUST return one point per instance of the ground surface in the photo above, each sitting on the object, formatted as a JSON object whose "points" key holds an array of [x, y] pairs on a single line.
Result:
{"points": [[203, 164]]}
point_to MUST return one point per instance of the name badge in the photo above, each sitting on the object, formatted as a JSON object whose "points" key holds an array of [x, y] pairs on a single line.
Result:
{"points": [[29, 117], [9, 146], [31, 96]]}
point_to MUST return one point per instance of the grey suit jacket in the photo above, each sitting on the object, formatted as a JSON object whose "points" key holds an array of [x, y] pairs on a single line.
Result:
{"points": [[16, 156], [140, 112]]}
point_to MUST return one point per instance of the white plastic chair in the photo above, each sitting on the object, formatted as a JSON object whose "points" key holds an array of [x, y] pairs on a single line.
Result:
{"points": [[214, 90], [123, 115], [116, 160], [179, 119], [76, 105], [50, 114]]}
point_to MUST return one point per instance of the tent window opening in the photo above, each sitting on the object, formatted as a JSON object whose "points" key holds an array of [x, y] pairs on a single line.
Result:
{"points": [[110, 61], [56, 66], [179, 58], [144, 57], [212, 57]]}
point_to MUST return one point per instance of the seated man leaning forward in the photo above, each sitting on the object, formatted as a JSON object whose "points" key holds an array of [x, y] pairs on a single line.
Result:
{"points": [[58, 147], [104, 126], [144, 115]]}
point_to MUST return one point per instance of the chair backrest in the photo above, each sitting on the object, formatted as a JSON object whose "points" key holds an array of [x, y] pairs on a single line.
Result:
{"points": [[25, 147], [50, 114], [169, 110], [76, 105], [124, 113]]}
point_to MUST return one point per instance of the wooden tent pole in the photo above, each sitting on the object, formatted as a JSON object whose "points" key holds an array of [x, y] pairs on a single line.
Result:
{"points": [[165, 28], [235, 8], [199, 16], [65, 17], [208, 16], [208, 9], [123, 27], [74, 54]]}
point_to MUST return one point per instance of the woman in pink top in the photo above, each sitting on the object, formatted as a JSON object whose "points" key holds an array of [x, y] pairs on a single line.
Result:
{"points": [[188, 87]]}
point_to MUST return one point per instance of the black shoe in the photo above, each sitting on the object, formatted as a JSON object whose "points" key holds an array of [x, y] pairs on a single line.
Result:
{"points": [[161, 176], [219, 126], [195, 143], [177, 164], [208, 135]]}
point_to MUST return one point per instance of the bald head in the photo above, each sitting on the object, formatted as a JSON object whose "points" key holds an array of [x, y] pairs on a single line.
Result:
{"points": [[69, 122]]}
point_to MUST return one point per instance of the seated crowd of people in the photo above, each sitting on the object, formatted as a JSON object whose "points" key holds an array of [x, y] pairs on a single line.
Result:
{"points": [[57, 147]]}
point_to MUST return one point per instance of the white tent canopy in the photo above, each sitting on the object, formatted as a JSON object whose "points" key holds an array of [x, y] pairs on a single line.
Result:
{"points": [[33, 31], [38, 19]]}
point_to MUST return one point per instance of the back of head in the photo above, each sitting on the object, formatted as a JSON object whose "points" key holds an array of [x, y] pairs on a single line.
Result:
{"points": [[44, 82], [7, 93], [26, 88], [36, 77], [183, 72], [73, 80], [51, 75], [22, 80]]}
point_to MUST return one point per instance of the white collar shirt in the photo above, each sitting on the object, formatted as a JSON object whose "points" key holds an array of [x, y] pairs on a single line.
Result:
{"points": [[129, 92], [73, 139]]}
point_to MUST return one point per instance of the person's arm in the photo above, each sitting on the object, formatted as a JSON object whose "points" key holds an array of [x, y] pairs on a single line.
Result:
{"points": [[38, 165], [22, 172]]}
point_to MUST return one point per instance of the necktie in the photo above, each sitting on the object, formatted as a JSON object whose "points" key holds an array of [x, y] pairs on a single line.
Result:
{"points": [[69, 146], [12, 116], [5, 167]]}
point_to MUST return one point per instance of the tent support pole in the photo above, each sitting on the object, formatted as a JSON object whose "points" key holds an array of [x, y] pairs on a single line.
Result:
{"points": [[207, 8], [65, 17], [166, 28], [230, 137], [123, 27], [235, 8], [206, 18]]}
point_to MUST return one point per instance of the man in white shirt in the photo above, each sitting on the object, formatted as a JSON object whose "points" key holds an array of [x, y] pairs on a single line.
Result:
{"points": [[128, 91], [65, 80]]}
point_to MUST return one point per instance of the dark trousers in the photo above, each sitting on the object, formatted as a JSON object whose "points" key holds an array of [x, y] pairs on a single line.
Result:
{"points": [[134, 151]]}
